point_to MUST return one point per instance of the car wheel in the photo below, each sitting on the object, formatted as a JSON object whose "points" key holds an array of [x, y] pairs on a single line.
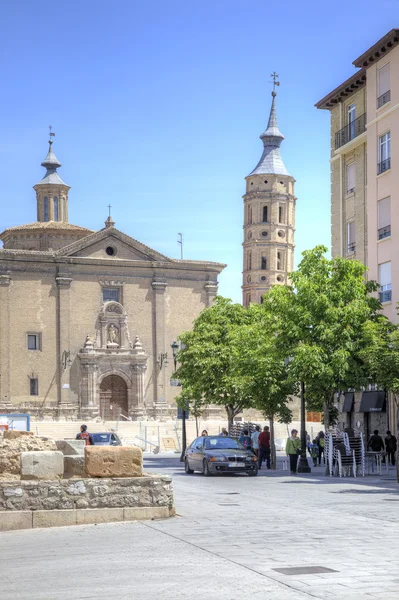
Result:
{"points": [[254, 472], [207, 472], [187, 468]]}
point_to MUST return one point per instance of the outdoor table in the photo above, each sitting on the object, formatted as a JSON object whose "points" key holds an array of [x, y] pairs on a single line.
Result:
{"points": [[375, 458]]}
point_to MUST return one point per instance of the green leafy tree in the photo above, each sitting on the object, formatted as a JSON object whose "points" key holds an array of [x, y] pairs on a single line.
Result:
{"points": [[263, 369], [207, 363], [319, 322]]}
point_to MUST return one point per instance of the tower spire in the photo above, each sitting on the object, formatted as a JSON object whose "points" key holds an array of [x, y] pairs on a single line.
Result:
{"points": [[271, 162], [51, 164]]}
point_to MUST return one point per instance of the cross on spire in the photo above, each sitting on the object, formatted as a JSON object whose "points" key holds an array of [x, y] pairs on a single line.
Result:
{"points": [[52, 134], [275, 82], [109, 209]]}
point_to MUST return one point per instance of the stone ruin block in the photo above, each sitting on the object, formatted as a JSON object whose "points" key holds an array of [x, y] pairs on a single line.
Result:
{"points": [[113, 461], [71, 447], [14, 434], [42, 465], [74, 466]]}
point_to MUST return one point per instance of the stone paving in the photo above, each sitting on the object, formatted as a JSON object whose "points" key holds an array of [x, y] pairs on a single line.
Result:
{"points": [[231, 535]]}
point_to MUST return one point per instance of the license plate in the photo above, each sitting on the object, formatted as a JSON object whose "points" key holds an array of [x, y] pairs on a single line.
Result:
{"points": [[236, 464]]}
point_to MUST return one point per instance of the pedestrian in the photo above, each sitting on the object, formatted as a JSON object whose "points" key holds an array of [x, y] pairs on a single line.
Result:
{"points": [[320, 442], [390, 447], [308, 443], [293, 450], [314, 452], [224, 432], [204, 433], [245, 440], [255, 440], [376, 443], [85, 435], [264, 447]]}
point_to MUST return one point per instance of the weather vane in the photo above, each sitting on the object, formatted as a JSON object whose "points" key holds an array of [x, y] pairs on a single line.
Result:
{"points": [[275, 82], [52, 134]]}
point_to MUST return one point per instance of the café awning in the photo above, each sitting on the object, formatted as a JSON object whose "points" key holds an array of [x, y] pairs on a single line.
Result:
{"points": [[348, 402], [372, 402]]}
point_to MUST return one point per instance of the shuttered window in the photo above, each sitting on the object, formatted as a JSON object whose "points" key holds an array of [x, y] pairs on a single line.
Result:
{"points": [[384, 213], [350, 178], [383, 80]]}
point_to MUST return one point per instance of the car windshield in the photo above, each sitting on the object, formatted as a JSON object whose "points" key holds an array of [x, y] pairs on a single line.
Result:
{"points": [[222, 443], [101, 437]]}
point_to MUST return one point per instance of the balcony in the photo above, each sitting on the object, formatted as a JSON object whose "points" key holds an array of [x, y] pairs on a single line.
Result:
{"points": [[352, 248], [350, 131], [383, 99], [383, 166], [386, 296], [384, 232]]}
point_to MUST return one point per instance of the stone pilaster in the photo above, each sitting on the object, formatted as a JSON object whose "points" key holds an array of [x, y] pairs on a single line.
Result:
{"points": [[64, 359], [138, 368], [211, 289], [5, 349], [159, 373]]}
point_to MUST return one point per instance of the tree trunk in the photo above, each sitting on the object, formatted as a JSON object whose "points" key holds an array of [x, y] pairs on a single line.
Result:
{"points": [[230, 416], [326, 410], [272, 444]]}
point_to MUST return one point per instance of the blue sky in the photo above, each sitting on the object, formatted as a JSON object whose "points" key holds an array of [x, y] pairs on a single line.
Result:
{"points": [[158, 107]]}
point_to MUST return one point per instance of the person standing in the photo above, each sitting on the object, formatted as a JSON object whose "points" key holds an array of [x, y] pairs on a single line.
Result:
{"points": [[204, 433], [320, 442], [245, 440], [255, 440], [376, 443], [390, 447], [85, 435], [264, 447], [293, 449], [224, 432]]}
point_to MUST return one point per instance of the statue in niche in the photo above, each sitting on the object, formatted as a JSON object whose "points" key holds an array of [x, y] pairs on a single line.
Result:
{"points": [[112, 336]]}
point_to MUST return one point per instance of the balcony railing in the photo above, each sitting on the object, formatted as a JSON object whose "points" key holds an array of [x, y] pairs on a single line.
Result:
{"points": [[384, 232], [386, 296], [350, 131], [352, 248], [383, 99], [384, 165]]}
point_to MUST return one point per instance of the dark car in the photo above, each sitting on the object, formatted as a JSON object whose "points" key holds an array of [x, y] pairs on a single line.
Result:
{"points": [[216, 454], [107, 438]]}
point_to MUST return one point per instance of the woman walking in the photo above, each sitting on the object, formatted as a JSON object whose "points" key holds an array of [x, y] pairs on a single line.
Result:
{"points": [[293, 449]]}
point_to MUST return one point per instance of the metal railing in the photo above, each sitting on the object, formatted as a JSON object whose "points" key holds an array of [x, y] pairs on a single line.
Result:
{"points": [[352, 248], [386, 296], [350, 131], [383, 99], [384, 232], [384, 165]]}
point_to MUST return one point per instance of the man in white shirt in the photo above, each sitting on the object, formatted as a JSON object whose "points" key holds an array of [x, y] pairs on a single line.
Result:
{"points": [[255, 442]]}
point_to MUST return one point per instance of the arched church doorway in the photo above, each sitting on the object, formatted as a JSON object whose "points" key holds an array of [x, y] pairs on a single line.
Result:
{"points": [[113, 398]]}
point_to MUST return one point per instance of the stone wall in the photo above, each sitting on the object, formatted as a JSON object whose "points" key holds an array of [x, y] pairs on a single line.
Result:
{"points": [[147, 491]]}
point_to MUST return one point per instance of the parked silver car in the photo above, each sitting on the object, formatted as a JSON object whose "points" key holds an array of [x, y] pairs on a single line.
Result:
{"points": [[108, 438], [216, 454]]}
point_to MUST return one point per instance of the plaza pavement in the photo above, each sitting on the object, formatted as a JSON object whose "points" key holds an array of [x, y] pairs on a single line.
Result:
{"points": [[230, 536]]}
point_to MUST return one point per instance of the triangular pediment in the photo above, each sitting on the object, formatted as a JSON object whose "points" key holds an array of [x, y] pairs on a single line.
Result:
{"points": [[98, 245]]}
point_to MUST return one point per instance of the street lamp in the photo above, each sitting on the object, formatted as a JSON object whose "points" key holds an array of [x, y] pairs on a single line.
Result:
{"points": [[175, 350], [303, 465]]}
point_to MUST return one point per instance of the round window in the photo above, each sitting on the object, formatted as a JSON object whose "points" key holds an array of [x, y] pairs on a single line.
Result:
{"points": [[264, 234], [281, 233], [249, 279], [279, 278], [249, 235], [110, 250], [266, 181], [263, 278]]}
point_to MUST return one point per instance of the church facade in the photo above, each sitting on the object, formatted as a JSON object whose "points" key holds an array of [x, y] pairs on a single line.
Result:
{"points": [[269, 218], [88, 318]]}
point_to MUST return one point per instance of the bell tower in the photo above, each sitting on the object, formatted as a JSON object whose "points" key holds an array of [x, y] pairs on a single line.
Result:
{"points": [[269, 216], [51, 191]]}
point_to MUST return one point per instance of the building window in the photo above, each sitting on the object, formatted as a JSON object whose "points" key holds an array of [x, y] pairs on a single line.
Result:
{"points": [[384, 218], [351, 237], [111, 294], [34, 387], [264, 263], [281, 213], [45, 209], [264, 214], [351, 121], [34, 341], [383, 86], [248, 300], [249, 215], [384, 153], [350, 178], [278, 261], [385, 280], [55, 203], [249, 261]]}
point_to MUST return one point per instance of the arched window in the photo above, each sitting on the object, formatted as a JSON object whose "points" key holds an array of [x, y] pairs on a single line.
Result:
{"points": [[55, 200], [264, 263], [45, 209], [264, 214], [249, 261], [249, 216], [278, 261], [281, 214]]}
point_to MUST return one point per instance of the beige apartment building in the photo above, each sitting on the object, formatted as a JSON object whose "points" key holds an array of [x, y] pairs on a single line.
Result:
{"points": [[88, 318], [365, 169]]}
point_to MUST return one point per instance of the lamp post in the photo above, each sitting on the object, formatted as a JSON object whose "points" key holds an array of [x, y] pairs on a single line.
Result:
{"points": [[303, 465], [175, 350]]}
